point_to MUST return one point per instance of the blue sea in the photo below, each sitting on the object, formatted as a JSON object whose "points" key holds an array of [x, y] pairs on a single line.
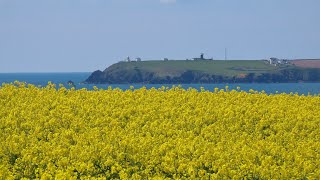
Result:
{"points": [[62, 78]]}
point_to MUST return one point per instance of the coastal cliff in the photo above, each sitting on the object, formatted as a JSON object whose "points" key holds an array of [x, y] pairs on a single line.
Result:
{"points": [[204, 71]]}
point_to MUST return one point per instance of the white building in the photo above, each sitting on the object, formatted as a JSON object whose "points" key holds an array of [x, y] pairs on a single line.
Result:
{"points": [[128, 59], [276, 61]]}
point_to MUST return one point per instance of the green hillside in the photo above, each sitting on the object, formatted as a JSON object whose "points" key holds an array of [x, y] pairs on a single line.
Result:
{"points": [[217, 67], [203, 71]]}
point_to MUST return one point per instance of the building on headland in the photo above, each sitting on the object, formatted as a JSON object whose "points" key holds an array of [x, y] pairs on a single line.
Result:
{"points": [[201, 58], [275, 61], [128, 59], [138, 59]]}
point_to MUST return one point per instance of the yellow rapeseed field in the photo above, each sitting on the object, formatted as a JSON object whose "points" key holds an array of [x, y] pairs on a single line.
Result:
{"points": [[166, 133]]}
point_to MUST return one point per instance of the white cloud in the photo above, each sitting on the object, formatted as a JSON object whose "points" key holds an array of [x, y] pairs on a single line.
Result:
{"points": [[168, 1]]}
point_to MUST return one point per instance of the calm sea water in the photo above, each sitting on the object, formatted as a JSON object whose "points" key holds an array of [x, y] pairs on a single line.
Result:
{"points": [[62, 78]]}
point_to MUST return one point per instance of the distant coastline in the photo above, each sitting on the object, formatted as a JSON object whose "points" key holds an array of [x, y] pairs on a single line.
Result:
{"points": [[200, 70]]}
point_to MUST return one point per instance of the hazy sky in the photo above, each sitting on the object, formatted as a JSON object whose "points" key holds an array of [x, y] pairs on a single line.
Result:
{"points": [[86, 35]]}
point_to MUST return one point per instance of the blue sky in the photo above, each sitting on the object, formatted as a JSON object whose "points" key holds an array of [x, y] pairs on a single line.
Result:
{"points": [[86, 35]]}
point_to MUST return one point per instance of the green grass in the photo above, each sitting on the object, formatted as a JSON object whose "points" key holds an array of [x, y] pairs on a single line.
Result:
{"points": [[217, 67]]}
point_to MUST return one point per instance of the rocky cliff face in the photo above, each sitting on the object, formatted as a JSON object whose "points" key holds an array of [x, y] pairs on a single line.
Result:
{"points": [[97, 77]]}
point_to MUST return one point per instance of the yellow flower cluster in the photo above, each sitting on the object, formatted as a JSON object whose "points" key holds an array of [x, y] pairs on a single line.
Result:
{"points": [[166, 133]]}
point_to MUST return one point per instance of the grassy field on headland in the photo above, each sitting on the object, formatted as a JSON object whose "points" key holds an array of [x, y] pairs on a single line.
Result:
{"points": [[51, 133], [205, 71], [218, 67]]}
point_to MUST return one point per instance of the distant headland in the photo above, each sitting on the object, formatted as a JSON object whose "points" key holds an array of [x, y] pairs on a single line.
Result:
{"points": [[202, 70]]}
